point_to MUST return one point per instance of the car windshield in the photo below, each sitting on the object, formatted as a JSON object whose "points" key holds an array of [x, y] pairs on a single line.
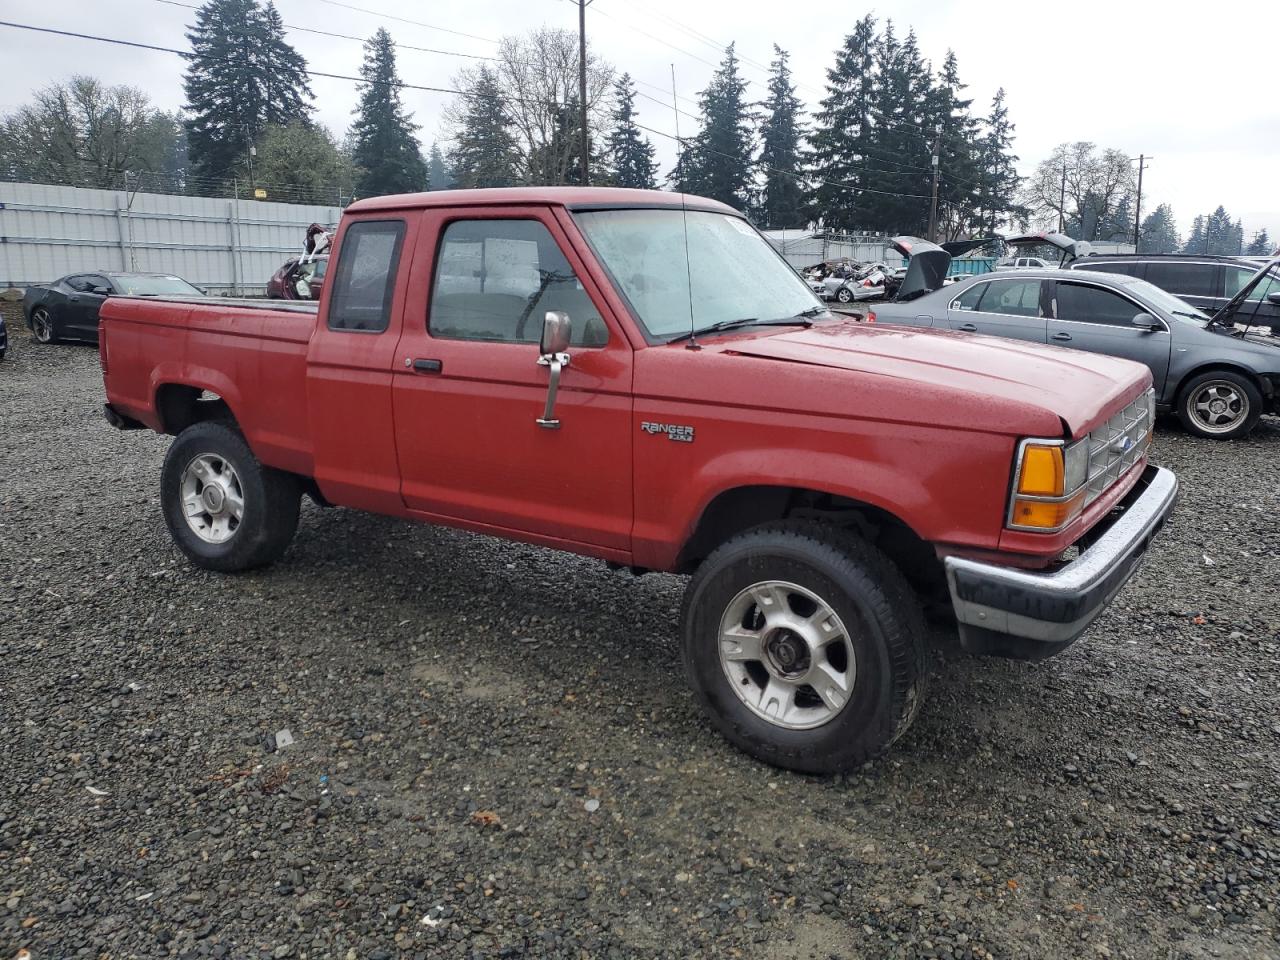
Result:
{"points": [[735, 273], [155, 287]]}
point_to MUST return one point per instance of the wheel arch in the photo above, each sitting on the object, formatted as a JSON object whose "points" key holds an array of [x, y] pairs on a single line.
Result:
{"points": [[179, 405], [1264, 384], [737, 509]]}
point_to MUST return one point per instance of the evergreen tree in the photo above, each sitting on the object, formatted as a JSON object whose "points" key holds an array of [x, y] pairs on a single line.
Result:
{"points": [[1159, 232], [782, 198], [285, 87], [630, 155], [1117, 224], [301, 163], [385, 147], [439, 177], [1196, 238], [485, 153], [997, 174], [718, 161], [959, 188], [241, 75], [842, 127], [1261, 245], [558, 161]]}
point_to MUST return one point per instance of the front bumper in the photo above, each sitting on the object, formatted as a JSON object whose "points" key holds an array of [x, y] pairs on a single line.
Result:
{"points": [[1030, 614]]}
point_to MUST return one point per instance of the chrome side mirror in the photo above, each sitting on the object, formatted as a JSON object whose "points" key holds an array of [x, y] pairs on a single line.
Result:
{"points": [[557, 330], [1146, 321]]}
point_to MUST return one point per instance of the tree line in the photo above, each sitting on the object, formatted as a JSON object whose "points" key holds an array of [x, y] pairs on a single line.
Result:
{"points": [[863, 159]]}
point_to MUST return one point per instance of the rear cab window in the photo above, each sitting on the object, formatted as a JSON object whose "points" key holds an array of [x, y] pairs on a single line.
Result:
{"points": [[365, 276]]}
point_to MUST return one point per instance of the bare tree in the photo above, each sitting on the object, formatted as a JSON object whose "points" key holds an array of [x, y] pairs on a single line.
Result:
{"points": [[538, 76], [1098, 185], [83, 133]]}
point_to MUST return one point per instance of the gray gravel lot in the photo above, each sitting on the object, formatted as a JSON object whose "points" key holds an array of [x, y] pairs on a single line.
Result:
{"points": [[495, 753]]}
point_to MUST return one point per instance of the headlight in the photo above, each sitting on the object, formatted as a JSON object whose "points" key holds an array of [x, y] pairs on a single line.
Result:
{"points": [[1048, 484]]}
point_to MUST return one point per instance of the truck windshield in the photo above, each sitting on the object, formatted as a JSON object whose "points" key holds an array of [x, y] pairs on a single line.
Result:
{"points": [[735, 273]]}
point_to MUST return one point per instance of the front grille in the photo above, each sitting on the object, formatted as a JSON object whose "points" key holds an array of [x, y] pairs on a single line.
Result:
{"points": [[1118, 444]]}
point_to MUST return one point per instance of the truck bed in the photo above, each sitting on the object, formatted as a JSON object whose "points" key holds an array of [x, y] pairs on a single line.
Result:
{"points": [[226, 346]]}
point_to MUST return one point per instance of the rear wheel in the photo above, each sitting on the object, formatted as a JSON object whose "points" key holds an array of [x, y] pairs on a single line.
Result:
{"points": [[224, 509], [42, 326], [805, 646], [844, 295], [1220, 404]]}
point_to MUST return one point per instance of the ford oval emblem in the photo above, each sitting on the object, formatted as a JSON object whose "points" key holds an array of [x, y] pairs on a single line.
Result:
{"points": [[1121, 445]]}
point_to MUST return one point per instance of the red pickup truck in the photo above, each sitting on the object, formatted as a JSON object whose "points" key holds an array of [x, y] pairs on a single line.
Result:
{"points": [[639, 377]]}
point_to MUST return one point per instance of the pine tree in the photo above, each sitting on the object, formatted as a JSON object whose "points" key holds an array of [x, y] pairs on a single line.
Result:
{"points": [[1159, 232], [241, 75], [1196, 239], [842, 127], [1261, 245], [899, 170], [781, 138], [997, 174], [1117, 224], [385, 147], [485, 153], [718, 162], [958, 151], [630, 155], [285, 87], [439, 176]]}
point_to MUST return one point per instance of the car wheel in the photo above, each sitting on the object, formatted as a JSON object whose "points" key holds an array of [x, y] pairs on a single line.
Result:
{"points": [[42, 326], [805, 646], [844, 295], [1220, 404], [224, 509]]}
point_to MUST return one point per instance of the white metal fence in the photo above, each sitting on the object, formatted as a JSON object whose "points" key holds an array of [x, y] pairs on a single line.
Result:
{"points": [[225, 246], [805, 248]]}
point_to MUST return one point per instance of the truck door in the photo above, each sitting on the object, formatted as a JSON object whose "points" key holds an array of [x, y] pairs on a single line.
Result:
{"points": [[349, 363], [469, 391]]}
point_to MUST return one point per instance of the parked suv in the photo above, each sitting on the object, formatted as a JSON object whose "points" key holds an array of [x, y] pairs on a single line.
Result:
{"points": [[1206, 282]]}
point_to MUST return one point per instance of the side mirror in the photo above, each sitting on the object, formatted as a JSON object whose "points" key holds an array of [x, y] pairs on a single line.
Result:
{"points": [[557, 329], [100, 291], [1146, 321], [1274, 297]]}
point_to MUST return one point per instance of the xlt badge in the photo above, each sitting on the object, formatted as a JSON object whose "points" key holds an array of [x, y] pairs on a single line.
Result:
{"points": [[679, 432]]}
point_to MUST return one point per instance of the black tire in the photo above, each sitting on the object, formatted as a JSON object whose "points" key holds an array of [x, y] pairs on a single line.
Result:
{"points": [[844, 295], [271, 501], [43, 327], [883, 621], [1244, 408]]}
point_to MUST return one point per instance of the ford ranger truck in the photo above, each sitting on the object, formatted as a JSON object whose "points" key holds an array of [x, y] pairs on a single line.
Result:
{"points": [[639, 377]]}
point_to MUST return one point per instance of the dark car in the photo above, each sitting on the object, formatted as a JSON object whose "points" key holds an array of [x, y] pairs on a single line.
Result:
{"points": [[1203, 281], [298, 279], [1212, 372], [68, 308], [4, 337]]}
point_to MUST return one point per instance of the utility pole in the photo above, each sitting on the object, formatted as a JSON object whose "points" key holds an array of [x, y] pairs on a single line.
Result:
{"points": [[1062, 201], [933, 200], [582, 90], [1137, 215]]}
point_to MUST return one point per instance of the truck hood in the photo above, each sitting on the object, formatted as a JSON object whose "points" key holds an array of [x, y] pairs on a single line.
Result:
{"points": [[1078, 389]]}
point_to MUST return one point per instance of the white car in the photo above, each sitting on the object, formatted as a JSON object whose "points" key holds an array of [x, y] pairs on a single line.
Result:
{"points": [[1023, 263]]}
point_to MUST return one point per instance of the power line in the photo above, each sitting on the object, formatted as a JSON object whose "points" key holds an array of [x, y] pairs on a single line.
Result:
{"points": [[347, 36], [416, 23], [454, 92]]}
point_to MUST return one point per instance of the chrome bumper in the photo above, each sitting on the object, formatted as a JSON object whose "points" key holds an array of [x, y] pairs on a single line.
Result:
{"points": [[1028, 614]]}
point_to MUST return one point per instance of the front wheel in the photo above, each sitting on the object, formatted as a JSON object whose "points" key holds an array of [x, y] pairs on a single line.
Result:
{"points": [[805, 646], [844, 295], [224, 509], [42, 326], [1220, 405]]}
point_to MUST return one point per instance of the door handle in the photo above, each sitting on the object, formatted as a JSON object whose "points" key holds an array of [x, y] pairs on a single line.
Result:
{"points": [[425, 365], [968, 327], [1061, 336]]}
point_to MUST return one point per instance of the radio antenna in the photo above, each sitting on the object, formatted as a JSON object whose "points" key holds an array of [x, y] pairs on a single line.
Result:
{"points": [[692, 342]]}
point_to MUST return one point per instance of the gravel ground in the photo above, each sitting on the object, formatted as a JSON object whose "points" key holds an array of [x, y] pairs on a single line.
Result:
{"points": [[494, 753]]}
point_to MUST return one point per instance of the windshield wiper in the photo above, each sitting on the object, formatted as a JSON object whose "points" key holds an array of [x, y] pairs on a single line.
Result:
{"points": [[799, 320]]}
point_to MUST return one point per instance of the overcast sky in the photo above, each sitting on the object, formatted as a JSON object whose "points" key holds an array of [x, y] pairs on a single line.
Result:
{"points": [[1193, 86]]}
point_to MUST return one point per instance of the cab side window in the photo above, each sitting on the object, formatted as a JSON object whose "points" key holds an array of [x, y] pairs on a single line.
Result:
{"points": [[366, 276], [496, 279]]}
